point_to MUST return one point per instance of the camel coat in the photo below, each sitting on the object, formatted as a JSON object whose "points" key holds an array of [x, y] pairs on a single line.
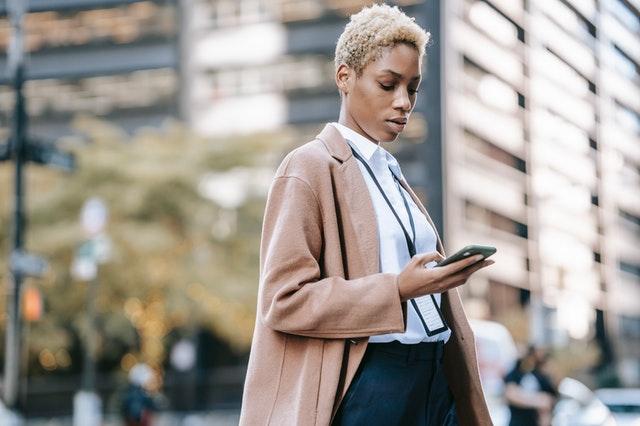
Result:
{"points": [[321, 295]]}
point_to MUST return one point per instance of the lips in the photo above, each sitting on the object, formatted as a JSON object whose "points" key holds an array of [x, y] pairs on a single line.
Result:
{"points": [[397, 123], [396, 126]]}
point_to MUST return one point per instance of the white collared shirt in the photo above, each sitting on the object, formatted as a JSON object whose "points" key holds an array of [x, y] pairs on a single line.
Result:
{"points": [[394, 254]]}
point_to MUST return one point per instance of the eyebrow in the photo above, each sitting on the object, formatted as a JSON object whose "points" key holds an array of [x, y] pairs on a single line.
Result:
{"points": [[396, 74]]}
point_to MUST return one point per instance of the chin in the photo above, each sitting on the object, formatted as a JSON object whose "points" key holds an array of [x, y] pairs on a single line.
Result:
{"points": [[390, 138]]}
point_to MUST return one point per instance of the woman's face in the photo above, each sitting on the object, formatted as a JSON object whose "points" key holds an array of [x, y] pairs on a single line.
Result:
{"points": [[378, 103]]}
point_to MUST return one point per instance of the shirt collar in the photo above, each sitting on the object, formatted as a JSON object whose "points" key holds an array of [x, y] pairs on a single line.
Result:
{"points": [[367, 148], [364, 146]]}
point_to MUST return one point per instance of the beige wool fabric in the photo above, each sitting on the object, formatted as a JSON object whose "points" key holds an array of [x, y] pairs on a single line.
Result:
{"points": [[321, 295]]}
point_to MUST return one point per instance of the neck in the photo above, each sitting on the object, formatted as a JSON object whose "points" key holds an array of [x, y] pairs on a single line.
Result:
{"points": [[346, 120]]}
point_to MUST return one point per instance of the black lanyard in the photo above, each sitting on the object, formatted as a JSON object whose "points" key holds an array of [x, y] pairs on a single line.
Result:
{"points": [[411, 246]]}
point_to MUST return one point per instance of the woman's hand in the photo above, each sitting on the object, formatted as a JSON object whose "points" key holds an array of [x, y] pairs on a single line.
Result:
{"points": [[415, 280]]}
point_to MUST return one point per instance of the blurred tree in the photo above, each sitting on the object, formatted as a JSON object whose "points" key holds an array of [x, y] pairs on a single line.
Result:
{"points": [[185, 219]]}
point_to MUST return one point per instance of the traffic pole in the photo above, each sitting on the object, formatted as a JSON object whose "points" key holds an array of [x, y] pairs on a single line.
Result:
{"points": [[17, 9]]}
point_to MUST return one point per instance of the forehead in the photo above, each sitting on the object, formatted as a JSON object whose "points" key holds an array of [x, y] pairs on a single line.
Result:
{"points": [[400, 61]]}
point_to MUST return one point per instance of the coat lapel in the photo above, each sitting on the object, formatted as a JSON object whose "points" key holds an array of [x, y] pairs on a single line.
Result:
{"points": [[358, 200], [353, 193]]}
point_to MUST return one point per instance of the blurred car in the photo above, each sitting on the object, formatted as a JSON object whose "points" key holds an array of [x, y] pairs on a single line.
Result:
{"points": [[623, 403], [579, 406], [497, 354]]}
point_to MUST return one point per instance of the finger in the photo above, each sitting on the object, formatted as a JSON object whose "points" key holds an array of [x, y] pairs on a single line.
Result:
{"points": [[452, 283], [462, 276], [460, 264], [468, 271], [476, 266], [423, 258]]}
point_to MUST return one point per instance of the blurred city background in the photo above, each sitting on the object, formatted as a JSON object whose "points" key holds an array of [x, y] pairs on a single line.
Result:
{"points": [[158, 125]]}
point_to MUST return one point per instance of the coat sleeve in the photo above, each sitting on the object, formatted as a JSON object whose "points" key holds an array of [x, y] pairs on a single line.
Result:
{"points": [[294, 298]]}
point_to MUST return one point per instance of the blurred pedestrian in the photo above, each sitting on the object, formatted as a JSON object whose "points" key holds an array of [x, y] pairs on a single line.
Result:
{"points": [[138, 404], [529, 391], [351, 322]]}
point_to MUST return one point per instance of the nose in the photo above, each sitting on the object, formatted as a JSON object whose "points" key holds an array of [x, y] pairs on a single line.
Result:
{"points": [[401, 100]]}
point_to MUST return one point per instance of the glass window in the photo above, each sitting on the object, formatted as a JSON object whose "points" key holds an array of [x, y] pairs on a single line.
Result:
{"points": [[568, 19], [103, 94], [492, 151], [492, 23], [623, 12], [627, 117], [630, 327], [624, 64], [122, 24], [494, 220], [629, 221], [630, 268], [306, 72]]}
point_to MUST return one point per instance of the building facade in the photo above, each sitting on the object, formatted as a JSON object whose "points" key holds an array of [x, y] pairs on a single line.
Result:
{"points": [[114, 59]]}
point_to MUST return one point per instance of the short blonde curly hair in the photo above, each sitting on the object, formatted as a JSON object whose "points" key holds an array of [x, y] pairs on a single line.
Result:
{"points": [[373, 29]]}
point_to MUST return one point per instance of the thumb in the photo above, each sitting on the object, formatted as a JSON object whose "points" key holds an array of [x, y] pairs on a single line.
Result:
{"points": [[423, 258]]}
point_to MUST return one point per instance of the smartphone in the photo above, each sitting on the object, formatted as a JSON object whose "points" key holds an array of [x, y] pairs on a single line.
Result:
{"points": [[467, 251]]}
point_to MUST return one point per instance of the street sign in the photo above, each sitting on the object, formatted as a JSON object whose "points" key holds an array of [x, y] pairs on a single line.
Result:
{"points": [[84, 269], [102, 248], [84, 266], [47, 154], [94, 216], [28, 265]]}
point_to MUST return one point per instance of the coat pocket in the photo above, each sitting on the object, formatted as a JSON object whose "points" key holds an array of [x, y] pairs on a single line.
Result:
{"points": [[299, 391]]}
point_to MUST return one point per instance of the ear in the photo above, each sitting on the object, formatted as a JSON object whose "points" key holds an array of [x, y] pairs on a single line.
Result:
{"points": [[344, 78]]}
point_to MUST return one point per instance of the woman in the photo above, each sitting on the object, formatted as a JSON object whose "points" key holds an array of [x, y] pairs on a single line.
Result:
{"points": [[351, 326]]}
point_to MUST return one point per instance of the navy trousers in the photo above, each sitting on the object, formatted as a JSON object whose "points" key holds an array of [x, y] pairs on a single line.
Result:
{"points": [[399, 384]]}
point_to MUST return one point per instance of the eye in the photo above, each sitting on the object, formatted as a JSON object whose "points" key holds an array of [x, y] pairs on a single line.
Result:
{"points": [[387, 88], [413, 91]]}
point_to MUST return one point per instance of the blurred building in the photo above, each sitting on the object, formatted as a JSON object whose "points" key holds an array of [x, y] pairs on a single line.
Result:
{"points": [[538, 103], [115, 59], [543, 160], [526, 134]]}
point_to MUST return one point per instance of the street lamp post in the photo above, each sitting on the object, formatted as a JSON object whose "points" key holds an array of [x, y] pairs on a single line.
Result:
{"points": [[16, 148], [21, 149], [87, 406]]}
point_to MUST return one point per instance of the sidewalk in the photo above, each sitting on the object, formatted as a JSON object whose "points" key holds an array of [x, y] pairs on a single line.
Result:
{"points": [[217, 418]]}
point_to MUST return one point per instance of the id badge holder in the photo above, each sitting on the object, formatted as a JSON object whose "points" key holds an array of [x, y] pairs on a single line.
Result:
{"points": [[430, 314]]}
